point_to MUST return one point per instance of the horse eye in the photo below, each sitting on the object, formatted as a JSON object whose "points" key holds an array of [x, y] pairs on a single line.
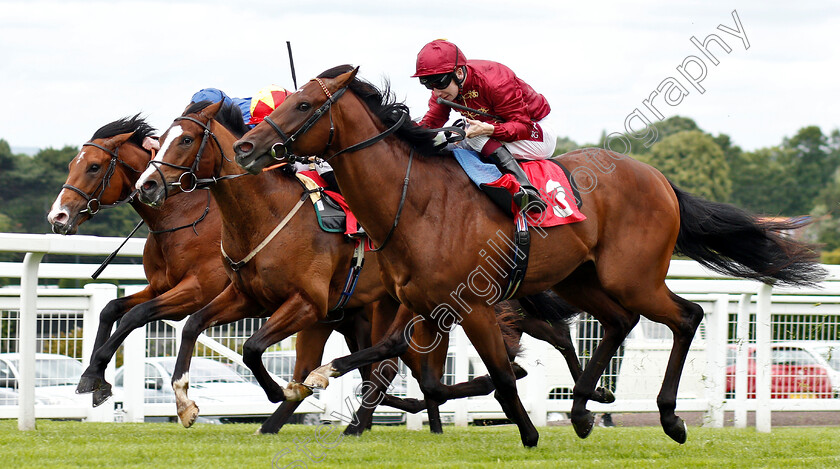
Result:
{"points": [[186, 140], [304, 107], [93, 168]]}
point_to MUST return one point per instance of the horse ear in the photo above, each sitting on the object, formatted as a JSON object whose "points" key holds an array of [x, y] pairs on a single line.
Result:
{"points": [[118, 140], [346, 78], [210, 111]]}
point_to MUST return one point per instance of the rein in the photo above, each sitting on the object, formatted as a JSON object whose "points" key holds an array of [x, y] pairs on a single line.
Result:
{"points": [[93, 204], [193, 224], [189, 171]]}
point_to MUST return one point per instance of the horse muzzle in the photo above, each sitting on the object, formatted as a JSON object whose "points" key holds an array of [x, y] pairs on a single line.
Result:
{"points": [[253, 161], [151, 193], [61, 222]]}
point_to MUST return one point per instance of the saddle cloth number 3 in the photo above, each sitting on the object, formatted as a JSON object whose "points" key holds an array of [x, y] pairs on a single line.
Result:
{"points": [[561, 206]]}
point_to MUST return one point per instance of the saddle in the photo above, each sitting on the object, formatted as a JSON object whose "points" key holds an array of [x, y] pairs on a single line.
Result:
{"points": [[334, 216], [549, 176]]}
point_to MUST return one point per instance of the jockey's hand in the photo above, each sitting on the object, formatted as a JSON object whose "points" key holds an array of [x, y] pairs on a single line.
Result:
{"points": [[478, 128]]}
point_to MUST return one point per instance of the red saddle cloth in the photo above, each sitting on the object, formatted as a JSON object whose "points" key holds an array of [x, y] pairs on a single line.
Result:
{"points": [[550, 179]]}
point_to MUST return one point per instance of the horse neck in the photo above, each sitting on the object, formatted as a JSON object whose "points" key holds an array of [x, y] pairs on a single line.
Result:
{"points": [[374, 195], [248, 200]]}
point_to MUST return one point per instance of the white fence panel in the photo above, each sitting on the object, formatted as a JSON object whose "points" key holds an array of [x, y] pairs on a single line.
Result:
{"points": [[743, 316]]}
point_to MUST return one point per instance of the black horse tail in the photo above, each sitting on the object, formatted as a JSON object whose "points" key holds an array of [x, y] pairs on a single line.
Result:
{"points": [[549, 307], [734, 242]]}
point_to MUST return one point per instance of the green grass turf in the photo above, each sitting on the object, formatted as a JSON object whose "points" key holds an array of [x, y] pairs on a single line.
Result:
{"points": [[75, 444]]}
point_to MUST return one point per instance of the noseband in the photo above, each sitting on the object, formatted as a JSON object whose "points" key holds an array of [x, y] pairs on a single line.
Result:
{"points": [[93, 204], [192, 182]]}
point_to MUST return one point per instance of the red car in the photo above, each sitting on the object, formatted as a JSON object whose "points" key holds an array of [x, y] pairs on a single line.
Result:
{"points": [[794, 373]]}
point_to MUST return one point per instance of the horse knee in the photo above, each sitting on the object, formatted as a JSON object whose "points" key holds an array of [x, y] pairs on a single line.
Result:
{"points": [[433, 389], [251, 353], [111, 312]]}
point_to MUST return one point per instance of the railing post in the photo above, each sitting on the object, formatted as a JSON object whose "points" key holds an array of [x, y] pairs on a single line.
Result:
{"points": [[134, 374], [716, 346], [100, 295], [28, 339], [742, 341], [763, 332], [415, 421], [462, 369]]}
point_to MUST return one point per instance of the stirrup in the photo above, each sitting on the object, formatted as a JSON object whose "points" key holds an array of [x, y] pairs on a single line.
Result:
{"points": [[528, 197]]}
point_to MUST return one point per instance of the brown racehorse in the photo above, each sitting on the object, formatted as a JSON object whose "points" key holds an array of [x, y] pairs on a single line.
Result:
{"points": [[181, 256], [103, 175], [437, 227], [297, 276]]}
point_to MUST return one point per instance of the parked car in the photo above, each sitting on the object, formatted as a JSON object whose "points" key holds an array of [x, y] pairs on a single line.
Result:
{"points": [[56, 377], [795, 373], [210, 380], [825, 353]]}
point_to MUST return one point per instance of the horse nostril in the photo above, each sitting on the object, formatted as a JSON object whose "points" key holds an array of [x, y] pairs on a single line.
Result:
{"points": [[243, 148], [60, 218], [149, 185]]}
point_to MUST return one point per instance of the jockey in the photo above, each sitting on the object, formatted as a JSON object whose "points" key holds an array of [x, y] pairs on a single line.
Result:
{"points": [[521, 130]]}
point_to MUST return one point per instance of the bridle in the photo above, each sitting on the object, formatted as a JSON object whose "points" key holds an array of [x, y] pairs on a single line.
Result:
{"points": [[325, 108], [193, 182], [93, 204]]}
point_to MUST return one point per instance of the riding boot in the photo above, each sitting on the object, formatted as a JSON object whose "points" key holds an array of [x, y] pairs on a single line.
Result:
{"points": [[528, 195]]}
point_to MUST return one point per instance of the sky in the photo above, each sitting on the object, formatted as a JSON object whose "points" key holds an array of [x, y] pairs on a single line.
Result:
{"points": [[68, 67]]}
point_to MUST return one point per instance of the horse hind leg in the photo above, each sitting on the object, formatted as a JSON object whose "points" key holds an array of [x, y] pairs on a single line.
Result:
{"points": [[558, 335], [683, 321], [586, 292]]}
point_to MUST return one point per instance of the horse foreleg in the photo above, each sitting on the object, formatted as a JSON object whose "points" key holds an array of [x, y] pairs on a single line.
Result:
{"points": [[375, 388], [94, 376], [309, 348], [175, 304], [392, 345], [230, 305], [484, 333], [294, 315]]}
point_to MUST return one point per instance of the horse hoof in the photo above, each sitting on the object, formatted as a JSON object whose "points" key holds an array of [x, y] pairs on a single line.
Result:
{"points": [[678, 431], [583, 425], [295, 392], [319, 378], [88, 384], [188, 414], [604, 396], [414, 405], [354, 430], [102, 394], [518, 371], [530, 441]]}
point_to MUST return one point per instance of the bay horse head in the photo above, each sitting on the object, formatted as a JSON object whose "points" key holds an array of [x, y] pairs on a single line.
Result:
{"points": [[102, 174], [297, 126], [181, 164]]}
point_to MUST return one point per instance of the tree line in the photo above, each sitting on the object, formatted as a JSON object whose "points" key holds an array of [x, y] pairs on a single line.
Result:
{"points": [[799, 177]]}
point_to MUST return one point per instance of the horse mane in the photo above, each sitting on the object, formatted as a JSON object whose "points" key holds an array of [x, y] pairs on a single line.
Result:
{"points": [[136, 124], [384, 105], [229, 116]]}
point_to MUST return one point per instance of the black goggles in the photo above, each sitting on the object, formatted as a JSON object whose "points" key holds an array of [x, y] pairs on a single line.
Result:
{"points": [[436, 82]]}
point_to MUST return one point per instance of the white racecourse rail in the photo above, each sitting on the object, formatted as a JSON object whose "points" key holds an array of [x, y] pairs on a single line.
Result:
{"points": [[739, 313]]}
